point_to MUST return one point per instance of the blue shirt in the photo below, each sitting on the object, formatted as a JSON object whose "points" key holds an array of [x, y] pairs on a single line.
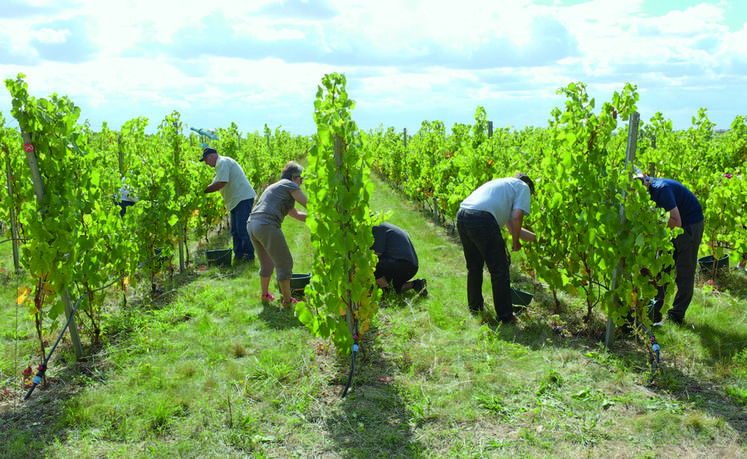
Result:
{"points": [[668, 194]]}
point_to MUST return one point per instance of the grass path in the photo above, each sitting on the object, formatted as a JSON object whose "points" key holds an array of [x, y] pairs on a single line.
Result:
{"points": [[211, 372]]}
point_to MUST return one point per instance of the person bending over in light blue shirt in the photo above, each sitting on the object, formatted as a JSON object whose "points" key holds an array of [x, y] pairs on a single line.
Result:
{"points": [[481, 216]]}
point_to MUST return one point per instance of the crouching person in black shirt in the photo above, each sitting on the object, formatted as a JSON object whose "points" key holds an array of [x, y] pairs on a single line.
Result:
{"points": [[398, 262]]}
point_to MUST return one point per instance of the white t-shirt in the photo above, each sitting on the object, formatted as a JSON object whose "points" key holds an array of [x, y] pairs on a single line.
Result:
{"points": [[237, 186], [500, 197]]}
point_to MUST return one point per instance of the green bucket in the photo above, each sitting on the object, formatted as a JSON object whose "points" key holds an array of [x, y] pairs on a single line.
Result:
{"points": [[218, 257]]}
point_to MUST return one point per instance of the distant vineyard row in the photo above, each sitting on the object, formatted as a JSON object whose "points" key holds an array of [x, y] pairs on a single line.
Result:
{"points": [[72, 238], [578, 165]]}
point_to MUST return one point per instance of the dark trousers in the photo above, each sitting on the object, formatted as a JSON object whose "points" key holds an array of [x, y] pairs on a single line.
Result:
{"points": [[483, 245], [396, 272], [685, 263], [242, 244]]}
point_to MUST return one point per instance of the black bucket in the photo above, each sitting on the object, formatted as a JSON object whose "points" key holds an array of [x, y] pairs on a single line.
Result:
{"points": [[706, 263], [520, 297], [299, 281], [218, 257], [520, 300]]}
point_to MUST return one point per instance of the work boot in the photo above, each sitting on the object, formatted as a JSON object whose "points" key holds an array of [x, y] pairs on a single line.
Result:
{"points": [[673, 318], [513, 320]]}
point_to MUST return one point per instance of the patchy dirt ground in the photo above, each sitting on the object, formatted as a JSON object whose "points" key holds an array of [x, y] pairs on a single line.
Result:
{"points": [[28, 426]]}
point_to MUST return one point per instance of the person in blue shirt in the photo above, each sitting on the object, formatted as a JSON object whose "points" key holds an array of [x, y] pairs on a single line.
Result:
{"points": [[684, 212]]}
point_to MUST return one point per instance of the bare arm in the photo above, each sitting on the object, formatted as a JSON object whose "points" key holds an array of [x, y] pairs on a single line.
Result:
{"points": [[215, 186], [517, 232], [514, 227], [300, 216], [299, 197], [381, 282], [675, 220]]}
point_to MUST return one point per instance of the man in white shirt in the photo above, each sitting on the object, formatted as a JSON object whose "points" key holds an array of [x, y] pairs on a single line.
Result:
{"points": [[238, 195], [481, 216]]}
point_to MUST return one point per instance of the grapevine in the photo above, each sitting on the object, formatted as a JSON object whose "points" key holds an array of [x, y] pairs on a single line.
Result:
{"points": [[341, 301]]}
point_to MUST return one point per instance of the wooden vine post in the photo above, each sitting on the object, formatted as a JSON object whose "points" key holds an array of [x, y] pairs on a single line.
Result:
{"points": [[351, 306], [120, 156], [178, 189], [36, 178], [609, 337], [404, 155], [340, 301], [12, 215]]}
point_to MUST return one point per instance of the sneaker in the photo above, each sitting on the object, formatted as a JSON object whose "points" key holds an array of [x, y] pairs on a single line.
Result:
{"points": [[292, 302], [268, 297], [420, 286], [654, 310]]}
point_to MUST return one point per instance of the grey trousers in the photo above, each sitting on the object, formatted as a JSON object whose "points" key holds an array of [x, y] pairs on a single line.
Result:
{"points": [[271, 248]]}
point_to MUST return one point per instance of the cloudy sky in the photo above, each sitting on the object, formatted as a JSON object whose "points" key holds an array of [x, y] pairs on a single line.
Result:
{"points": [[259, 61]]}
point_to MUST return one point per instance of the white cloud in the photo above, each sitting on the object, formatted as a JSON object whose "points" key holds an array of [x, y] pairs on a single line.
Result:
{"points": [[267, 33], [429, 59], [51, 35], [697, 20]]}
